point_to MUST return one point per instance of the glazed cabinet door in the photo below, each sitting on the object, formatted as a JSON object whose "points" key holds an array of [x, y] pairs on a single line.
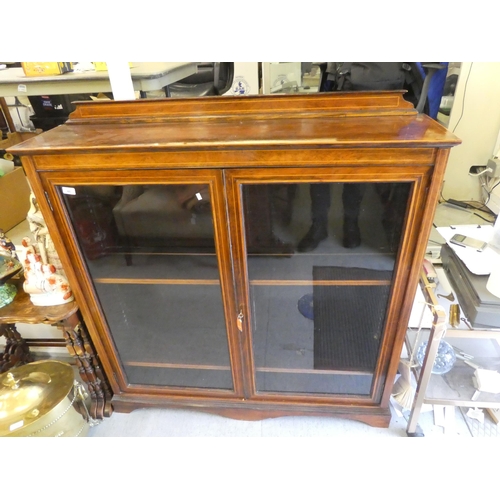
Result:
{"points": [[325, 257], [151, 250]]}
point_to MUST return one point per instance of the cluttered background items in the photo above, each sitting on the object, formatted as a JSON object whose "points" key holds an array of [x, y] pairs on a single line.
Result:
{"points": [[473, 273]]}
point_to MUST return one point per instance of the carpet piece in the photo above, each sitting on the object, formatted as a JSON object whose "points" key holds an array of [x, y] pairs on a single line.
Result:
{"points": [[348, 320]]}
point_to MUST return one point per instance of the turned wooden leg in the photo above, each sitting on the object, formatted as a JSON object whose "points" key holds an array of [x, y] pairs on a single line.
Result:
{"points": [[16, 351], [81, 349], [94, 358]]}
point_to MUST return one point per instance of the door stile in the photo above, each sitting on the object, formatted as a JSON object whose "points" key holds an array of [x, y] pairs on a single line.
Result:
{"points": [[242, 296], [228, 283]]}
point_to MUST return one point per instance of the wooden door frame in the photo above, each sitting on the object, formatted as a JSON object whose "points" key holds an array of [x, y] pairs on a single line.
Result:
{"points": [[73, 261], [404, 271]]}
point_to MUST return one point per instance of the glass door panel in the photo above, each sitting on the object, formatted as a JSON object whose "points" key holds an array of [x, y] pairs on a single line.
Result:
{"points": [[151, 254], [320, 261]]}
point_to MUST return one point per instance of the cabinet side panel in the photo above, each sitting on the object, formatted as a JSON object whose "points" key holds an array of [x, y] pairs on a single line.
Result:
{"points": [[417, 241]]}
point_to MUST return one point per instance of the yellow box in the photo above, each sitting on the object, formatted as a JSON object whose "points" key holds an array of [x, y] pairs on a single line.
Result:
{"points": [[46, 68], [102, 66]]}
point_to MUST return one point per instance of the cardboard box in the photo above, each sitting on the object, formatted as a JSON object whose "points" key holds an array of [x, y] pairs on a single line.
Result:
{"points": [[46, 68], [15, 195], [14, 188]]}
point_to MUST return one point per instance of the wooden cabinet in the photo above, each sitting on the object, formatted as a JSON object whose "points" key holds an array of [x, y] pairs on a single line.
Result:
{"points": [[181, 226]]}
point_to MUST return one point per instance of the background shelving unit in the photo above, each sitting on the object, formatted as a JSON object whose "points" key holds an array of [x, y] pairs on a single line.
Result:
{"points": [[455, 388]]}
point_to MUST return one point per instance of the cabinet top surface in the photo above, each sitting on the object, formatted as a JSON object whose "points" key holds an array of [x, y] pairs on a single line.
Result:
{"points": [[372, 119]]}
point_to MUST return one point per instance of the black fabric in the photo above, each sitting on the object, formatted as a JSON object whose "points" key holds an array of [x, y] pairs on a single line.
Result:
{"points": [[348, 320], [370, 76], [359, 76]]}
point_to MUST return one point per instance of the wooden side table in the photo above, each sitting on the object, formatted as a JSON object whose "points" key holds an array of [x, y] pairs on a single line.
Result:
{"points": [[67, 318]]}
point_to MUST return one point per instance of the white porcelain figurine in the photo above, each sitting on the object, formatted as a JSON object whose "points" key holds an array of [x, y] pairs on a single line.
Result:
{"points": [[43, 240], [44, 285]]}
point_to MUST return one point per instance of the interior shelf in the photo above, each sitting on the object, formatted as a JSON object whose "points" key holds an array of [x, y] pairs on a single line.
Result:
{"points": [[312, 371], [155, 266], [150, 364], [158, 281]]}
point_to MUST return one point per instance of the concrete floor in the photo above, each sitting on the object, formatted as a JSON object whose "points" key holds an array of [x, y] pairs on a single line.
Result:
{"points": [[186, 423]]}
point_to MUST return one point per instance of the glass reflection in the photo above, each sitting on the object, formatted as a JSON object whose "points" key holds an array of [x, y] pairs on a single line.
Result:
{"points": [[320, 263], [150, 251], [291, 218], [165, 215], [145, 231]]}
